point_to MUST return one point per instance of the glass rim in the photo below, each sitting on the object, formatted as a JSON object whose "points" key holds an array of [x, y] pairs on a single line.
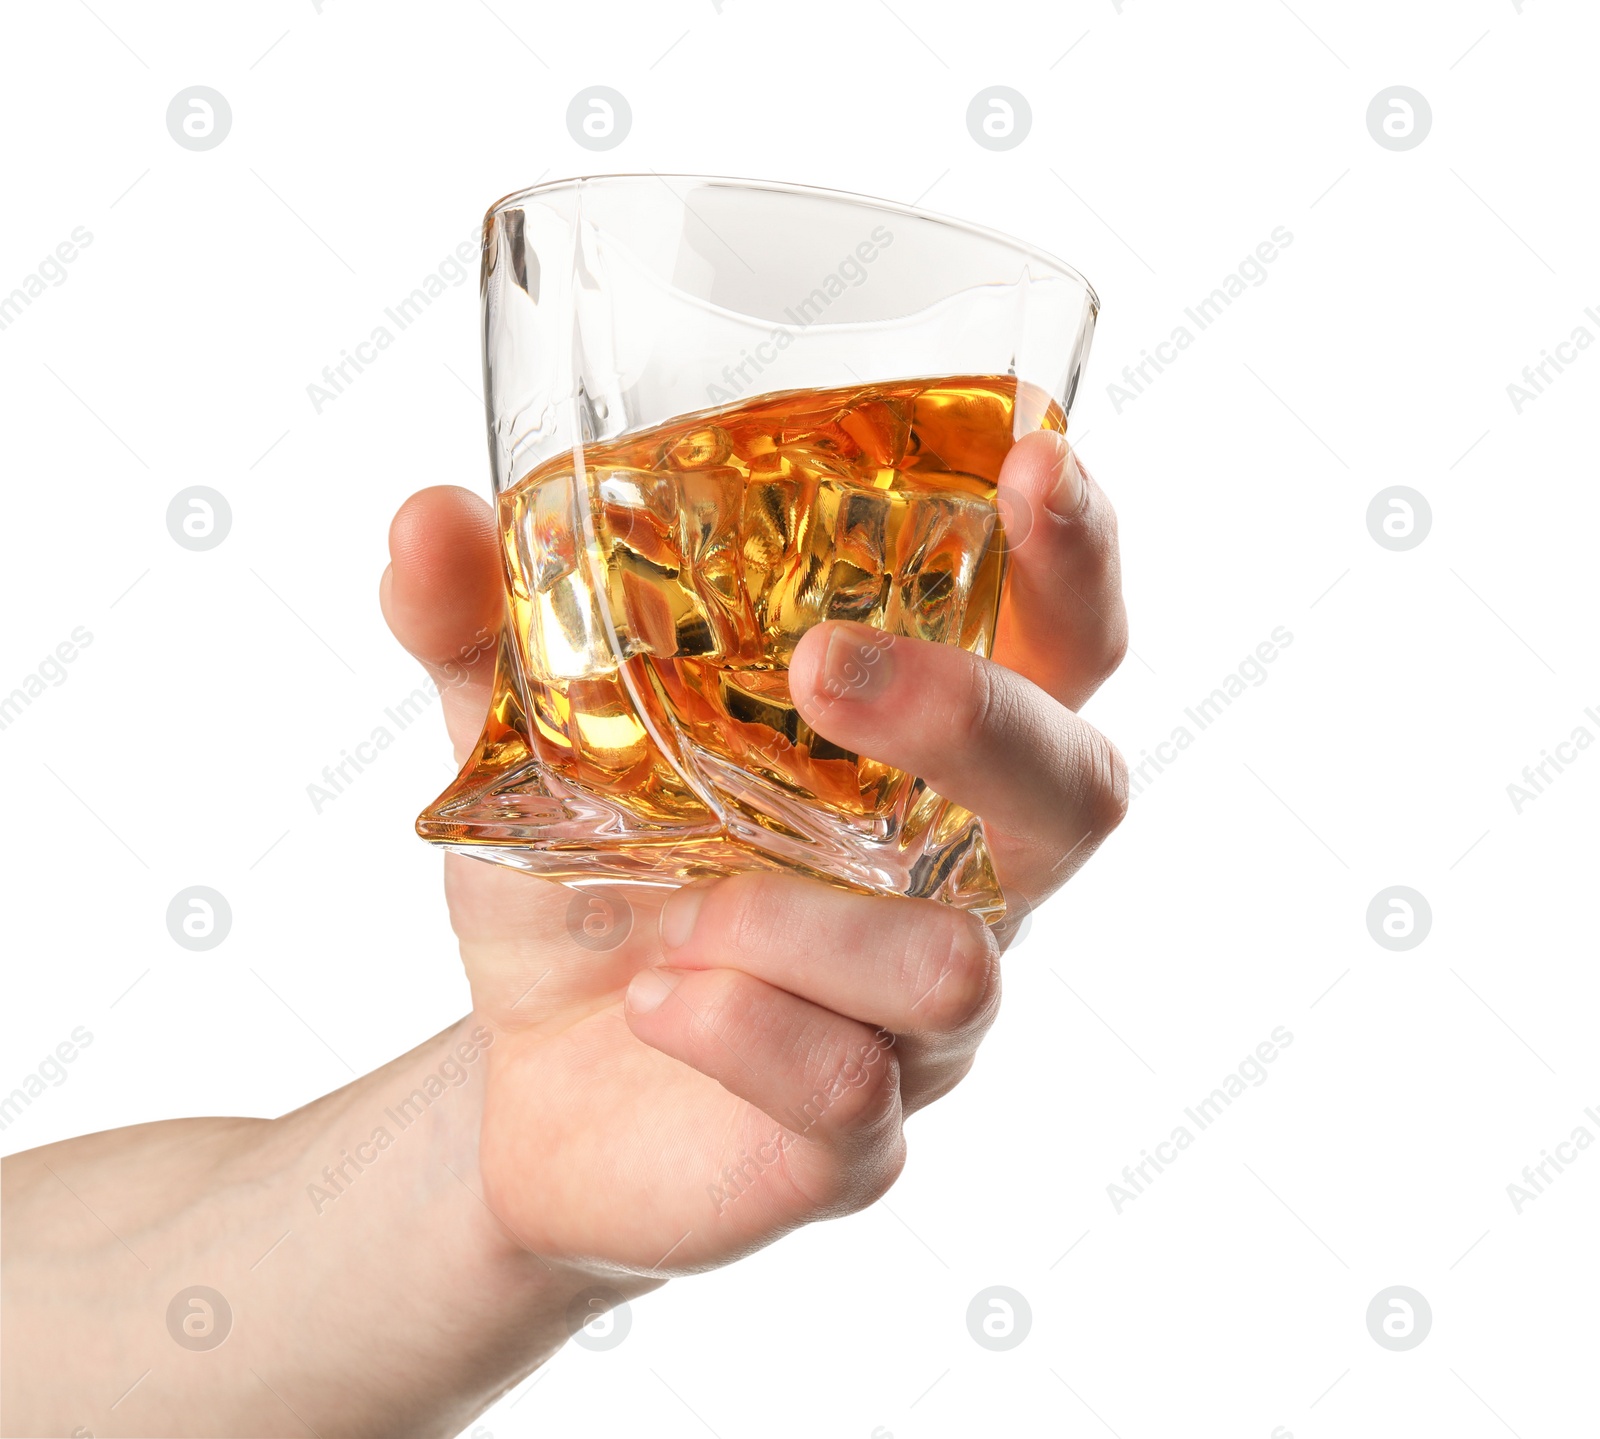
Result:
{"points": [[874, 202]]}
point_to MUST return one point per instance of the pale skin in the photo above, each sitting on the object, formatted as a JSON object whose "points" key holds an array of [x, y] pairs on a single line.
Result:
{"points": [[760, 1036]]}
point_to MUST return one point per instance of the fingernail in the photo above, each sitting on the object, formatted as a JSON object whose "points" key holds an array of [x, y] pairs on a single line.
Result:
{"points": [[1067, 493], [678, 915], [648, 991], [856, 663]]}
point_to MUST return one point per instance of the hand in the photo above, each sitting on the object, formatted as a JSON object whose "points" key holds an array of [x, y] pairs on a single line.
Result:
{"points": [[743, 1062]]}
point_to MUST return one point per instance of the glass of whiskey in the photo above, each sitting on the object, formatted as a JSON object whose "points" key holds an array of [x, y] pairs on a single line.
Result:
{"points": [[721, 411]]}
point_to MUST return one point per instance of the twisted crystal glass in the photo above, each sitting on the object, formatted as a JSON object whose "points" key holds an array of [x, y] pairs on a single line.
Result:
{"points": [[719, 412]]}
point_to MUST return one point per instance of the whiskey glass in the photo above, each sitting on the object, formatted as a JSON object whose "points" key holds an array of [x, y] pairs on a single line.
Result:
{"points": [[720, 411]]}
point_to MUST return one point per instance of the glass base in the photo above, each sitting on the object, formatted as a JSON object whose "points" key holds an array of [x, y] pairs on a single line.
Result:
{"points": [[508, 807]]}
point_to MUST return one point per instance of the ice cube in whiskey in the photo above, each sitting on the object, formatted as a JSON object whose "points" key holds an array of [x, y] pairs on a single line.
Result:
{"points": [[641, 727]]}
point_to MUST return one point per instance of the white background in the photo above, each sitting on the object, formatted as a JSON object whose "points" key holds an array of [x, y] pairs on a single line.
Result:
{"points": [[366, 141]]}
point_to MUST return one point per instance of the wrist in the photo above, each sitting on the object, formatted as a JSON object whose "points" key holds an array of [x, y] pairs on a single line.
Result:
{"points": [[393, 1167], [341, 1263], [394, 1231]]}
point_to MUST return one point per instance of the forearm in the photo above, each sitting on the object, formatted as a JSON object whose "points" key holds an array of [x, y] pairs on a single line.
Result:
{"points": [[368, 1288]]}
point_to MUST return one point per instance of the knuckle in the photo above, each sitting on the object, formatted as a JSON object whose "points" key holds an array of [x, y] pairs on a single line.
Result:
{"points": [[984, 710], [863, 1088], [1098, 560], [832, 1184], [1116, 649], [739, 910], [963, 976], [881, 1177], [940, 1083], [974, 714], [1106, 522], [1107, 785], [717, 1011], [1098, 514]]}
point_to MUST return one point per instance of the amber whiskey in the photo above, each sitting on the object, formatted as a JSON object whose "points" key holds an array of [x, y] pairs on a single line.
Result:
{"points": [[641, 726]]}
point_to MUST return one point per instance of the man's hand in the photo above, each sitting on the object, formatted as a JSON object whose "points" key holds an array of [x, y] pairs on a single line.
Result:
{"points": [[742, 1063]]}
